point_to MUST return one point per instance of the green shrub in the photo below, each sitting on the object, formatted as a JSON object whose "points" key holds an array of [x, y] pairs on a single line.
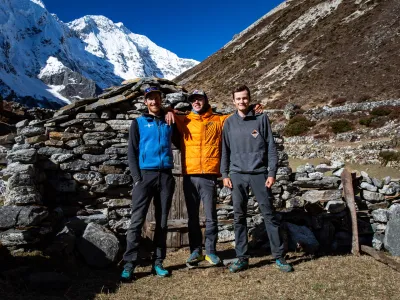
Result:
{"points": [[366, 121], [341, 126], [395, 113], [387, 156], [381, 111], [298, 125], [339, 101]]}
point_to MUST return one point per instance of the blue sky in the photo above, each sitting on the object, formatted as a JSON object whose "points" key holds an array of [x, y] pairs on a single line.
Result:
{"points": [[191, 29]]}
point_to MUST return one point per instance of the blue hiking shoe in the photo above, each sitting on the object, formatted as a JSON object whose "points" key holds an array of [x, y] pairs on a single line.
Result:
{"points": [[127, 272], [239, 265], [194, 259], [283, 266], [160, 271], [213, 259]]}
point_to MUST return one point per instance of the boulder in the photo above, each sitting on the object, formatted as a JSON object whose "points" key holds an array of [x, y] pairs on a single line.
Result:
{"points": [[392, 237], [98, 245]]}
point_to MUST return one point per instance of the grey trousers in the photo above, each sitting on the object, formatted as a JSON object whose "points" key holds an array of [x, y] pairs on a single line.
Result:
{"points": [[201, 188], [240, 191], [160, 185]]}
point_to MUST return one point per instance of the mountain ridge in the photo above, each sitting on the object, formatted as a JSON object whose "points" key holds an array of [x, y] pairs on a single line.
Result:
{"points": [[308, 52]]}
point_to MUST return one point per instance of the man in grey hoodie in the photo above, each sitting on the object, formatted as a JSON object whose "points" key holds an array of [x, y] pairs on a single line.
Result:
{"points": [[249, 159]]}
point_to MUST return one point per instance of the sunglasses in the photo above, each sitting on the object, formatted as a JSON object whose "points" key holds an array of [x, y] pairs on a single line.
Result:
{"points": [[196, 98]]}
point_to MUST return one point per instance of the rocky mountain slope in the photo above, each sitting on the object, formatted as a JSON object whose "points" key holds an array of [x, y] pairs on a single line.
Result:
{"points": [[45, 62], [309, 52]]}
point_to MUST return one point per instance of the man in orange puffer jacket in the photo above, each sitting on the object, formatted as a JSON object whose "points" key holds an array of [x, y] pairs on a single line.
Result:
{"points": [[201, 132]]}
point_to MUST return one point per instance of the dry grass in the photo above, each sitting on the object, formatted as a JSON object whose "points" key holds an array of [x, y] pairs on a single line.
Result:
{"points": [[333, 277], [339, 277]]}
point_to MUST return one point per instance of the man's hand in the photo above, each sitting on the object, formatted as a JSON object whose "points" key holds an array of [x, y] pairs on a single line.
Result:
{"points": [[170, 118], [258, 108], [269, 182], [227, 182]]}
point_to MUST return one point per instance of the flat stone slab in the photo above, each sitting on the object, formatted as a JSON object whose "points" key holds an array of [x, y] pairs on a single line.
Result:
{"points": [[26, 156], [325, 183], [314, 196], [13, 216], [372, 196], [16, 237]]}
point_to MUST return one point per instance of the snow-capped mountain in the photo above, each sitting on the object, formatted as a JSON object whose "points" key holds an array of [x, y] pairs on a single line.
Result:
{"points": [[54, 62]]}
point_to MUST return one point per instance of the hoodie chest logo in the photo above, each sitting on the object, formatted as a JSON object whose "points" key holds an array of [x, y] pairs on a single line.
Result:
{"points": [[255, 133], [148, 125]]}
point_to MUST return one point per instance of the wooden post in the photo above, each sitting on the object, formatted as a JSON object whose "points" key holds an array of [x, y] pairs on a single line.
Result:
{"points": [[348, 191]]}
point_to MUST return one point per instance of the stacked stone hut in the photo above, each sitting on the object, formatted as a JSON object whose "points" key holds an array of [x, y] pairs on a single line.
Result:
{"points": [[68, 185]]}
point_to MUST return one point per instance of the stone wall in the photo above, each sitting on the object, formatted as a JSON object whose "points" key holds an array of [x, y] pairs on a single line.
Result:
{"points": [[68, 185]]}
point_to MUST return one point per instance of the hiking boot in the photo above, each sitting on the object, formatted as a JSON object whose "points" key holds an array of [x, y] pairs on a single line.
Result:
{"points": [[213, 259], [239, 265], [194, 259], [127, 273], [160, 271], [283, 265]]}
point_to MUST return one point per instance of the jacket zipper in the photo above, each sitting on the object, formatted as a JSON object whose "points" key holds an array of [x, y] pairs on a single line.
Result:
{"points": [[159, 143], [201, 145]]}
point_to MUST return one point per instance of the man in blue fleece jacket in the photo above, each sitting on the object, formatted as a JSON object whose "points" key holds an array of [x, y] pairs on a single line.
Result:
{"points": [[151, 163], [249, 159]]}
